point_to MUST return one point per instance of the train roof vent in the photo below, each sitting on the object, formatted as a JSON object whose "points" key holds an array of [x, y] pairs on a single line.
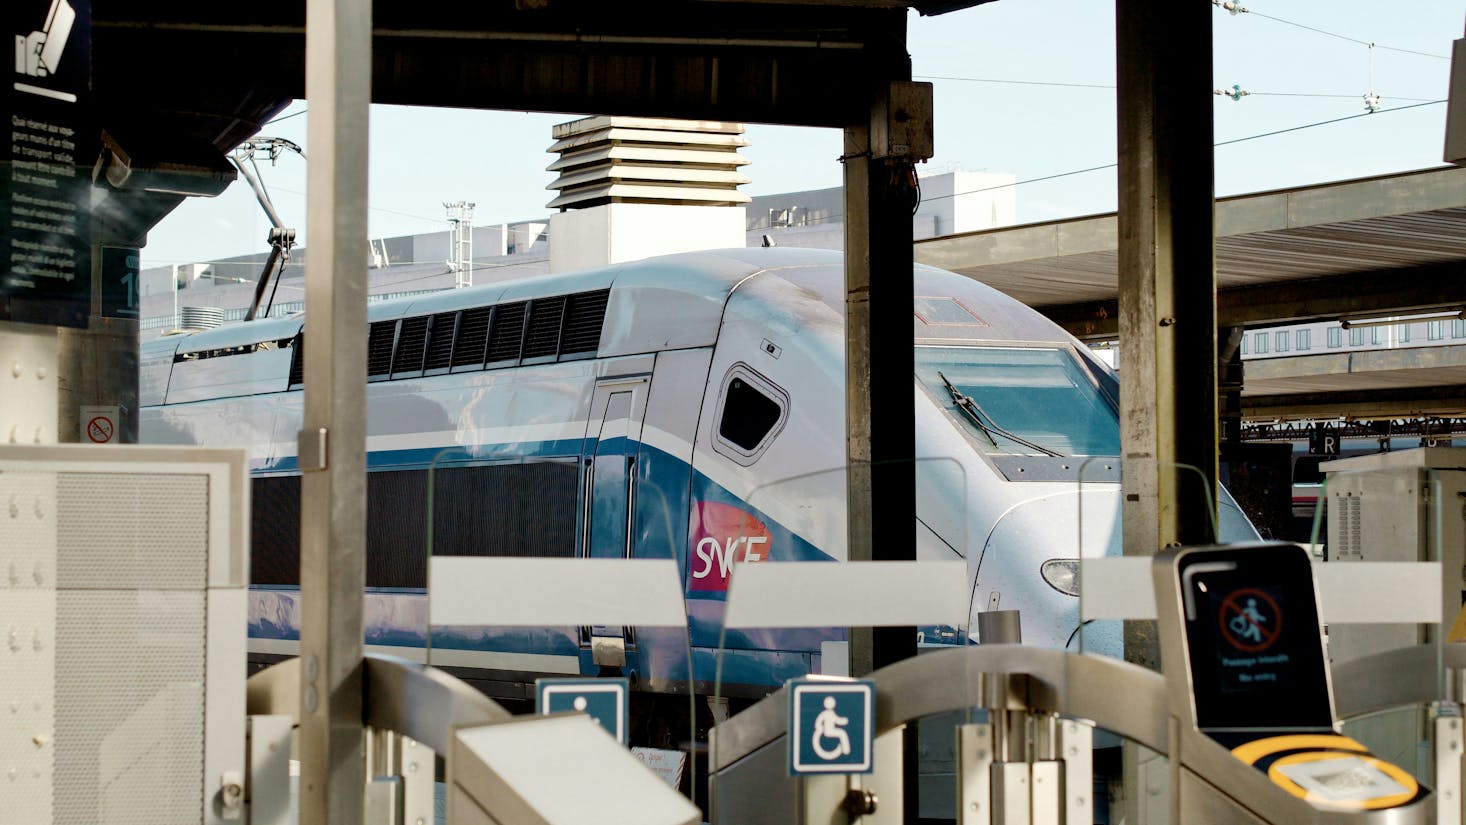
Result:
{"points": [[473, 334], [507, 333], [411, 343], [379, 348], [440, 341], [583, 322], [543, 336], [297, 360]]}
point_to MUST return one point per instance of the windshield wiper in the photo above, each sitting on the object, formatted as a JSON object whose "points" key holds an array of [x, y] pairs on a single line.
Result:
{"points": [[970, 406]]}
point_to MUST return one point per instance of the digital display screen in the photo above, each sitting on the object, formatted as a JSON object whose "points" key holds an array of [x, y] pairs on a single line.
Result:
{"points": [[1254, 640]]}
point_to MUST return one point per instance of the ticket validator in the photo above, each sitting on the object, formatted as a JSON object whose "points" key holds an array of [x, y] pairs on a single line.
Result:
{"points": [[1253, 733]]}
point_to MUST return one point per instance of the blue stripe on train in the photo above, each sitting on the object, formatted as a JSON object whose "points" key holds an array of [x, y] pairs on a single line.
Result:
{"points": [[666, 486]]}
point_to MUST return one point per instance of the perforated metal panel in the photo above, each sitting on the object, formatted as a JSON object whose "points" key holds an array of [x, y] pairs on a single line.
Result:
{"points": [[133, 530], [118, 596], [27, 615], [130, 701]]}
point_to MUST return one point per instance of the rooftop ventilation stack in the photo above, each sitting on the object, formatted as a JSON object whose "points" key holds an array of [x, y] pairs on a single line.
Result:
{"points": [[632, 187]]}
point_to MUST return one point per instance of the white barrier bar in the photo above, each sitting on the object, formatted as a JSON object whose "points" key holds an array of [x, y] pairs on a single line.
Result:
{"points": [[1116, 588], [1379, 592], [1353, 592], [537, 592], [850, 594]]}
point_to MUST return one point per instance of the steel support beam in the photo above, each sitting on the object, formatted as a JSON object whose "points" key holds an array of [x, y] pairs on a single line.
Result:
{"points": [[1167, 306], [1387, 402], [333, 442], [1374, 292]]}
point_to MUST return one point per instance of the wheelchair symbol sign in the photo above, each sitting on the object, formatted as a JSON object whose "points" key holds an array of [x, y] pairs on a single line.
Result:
{"points": [[831, 726]]}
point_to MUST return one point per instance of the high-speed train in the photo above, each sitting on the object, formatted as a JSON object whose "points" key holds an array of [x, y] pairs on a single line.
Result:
{"points": [[687, 407]]}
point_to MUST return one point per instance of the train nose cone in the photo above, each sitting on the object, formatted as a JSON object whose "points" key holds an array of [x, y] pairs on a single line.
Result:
{"points": [[1032, 561]]}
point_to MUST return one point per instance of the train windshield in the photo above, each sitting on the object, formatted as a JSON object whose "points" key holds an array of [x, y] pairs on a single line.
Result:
{"points": [[1025, 400]]}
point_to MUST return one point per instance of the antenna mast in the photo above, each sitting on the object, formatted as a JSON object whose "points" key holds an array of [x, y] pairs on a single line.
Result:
{"points": [[460, 241]]}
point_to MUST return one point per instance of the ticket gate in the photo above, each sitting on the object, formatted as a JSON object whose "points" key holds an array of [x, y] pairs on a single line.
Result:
{"points": [[1254, 733], [1246, 716]]}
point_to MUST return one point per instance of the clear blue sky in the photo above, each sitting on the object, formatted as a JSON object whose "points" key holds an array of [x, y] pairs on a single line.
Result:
{"points": [[423, 157]]}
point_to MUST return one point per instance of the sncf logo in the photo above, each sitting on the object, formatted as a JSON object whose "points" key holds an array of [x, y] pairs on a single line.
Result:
{"points": [[722, 536]]}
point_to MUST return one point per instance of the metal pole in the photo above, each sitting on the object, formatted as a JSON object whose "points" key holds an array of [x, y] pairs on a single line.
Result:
{"points": [[333, 441], [1168, 356]]}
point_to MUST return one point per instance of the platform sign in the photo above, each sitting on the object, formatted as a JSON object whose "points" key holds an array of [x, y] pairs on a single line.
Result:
{"points": [[47, 160], [1323, 441], [604, 700], [831, 726], [120, 282]]}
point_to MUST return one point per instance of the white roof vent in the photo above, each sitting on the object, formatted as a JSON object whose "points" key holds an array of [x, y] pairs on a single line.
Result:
{"points": [[608, 160]]}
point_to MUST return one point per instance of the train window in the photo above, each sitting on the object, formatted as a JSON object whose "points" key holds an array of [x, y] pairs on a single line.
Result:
{"points": [[751, 411], [946, 312], [1024, 401], [512, 509]]}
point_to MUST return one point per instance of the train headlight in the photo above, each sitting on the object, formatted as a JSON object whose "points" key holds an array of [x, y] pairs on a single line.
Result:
{"points": [[1062, 575]]}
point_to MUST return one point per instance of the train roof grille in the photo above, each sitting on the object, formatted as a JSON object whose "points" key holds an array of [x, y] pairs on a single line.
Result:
{"points": [[380, 340], [583, 322], [507, 334], [542, 338], [411, 341], [440, 341], [473, 336], [297, 360]]}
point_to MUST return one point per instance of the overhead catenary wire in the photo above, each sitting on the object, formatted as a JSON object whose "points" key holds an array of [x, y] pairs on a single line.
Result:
{"points": [[1103, 166], [1112, 87], [1237, 8]]}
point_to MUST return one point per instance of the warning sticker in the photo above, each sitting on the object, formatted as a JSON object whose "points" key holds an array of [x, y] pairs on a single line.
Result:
{"points": [[99, 425]]}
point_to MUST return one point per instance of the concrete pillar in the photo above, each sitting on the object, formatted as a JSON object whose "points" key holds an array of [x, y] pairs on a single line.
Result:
{"points": [[880, 421], [1168, 398], [880, 418]]}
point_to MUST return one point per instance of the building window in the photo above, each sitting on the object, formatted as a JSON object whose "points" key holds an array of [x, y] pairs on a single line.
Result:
{"points": [[1259, 342], [1244, 345], [1283, 341], [1433, 330], [1303, 339], [1336, 337], [1356, 337], [1458, 328], [1403, 333], [1376, 335]]}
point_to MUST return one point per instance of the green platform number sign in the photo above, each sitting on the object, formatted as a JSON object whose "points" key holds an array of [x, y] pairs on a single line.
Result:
{"points": [[831, 726], [604, 700], [120, 282]]}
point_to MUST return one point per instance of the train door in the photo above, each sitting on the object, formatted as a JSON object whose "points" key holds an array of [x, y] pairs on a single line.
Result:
{"points": [[613, 436]]}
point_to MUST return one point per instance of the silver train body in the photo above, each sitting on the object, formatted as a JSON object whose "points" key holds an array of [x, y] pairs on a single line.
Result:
{"points": [[686, 407]]}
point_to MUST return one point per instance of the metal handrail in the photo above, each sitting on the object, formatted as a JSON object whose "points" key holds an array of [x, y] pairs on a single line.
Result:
{"points": [[1118, 696], [416, 700]]}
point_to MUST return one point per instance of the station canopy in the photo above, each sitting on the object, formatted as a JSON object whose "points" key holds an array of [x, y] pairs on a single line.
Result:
{"points": [[1357, 249]]}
